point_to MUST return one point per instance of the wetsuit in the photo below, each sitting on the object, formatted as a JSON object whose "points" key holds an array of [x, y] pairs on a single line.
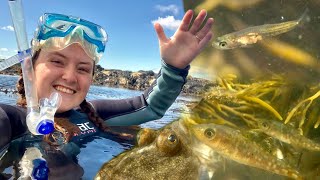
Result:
{"points": [[151, 105]]}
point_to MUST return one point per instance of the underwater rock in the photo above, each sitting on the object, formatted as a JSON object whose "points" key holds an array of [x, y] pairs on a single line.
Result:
{"points": [[168, 156]]}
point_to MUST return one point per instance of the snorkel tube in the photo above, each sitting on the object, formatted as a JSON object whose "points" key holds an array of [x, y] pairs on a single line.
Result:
{"points": [[40, 120]]}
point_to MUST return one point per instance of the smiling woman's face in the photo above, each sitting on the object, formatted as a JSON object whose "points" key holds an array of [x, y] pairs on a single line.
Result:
{"points": [[68, 72]]}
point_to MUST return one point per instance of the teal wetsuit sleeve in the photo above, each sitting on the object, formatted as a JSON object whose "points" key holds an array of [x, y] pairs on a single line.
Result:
{"points": [[166, 88], [151, 105]]}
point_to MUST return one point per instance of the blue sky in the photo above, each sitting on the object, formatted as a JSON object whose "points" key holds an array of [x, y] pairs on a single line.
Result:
{"points": [[132, 44]]}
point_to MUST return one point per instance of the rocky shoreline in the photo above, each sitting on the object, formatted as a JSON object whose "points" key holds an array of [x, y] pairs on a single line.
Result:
{"points": [[139, 80]]}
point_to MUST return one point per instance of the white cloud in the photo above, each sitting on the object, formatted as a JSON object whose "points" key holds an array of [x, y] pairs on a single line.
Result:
{"points": [[4, 49], [7, 28], [168, 22], [6, 53], [171, 8]]}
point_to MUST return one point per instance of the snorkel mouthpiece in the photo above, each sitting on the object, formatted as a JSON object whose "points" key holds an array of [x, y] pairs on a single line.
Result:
{"points": [[43, 123], [45, 127], [48, 108]]}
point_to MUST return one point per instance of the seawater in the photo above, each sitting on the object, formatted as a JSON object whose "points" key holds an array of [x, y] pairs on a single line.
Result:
{"points": [[100, 150]]}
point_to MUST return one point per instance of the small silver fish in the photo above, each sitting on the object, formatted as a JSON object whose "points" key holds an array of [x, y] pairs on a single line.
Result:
{"points": [[287, 134], [231, 144], [252, 35]]}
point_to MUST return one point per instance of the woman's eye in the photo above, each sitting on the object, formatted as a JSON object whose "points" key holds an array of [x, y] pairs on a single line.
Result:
{"points": [[84, 70], [57, 62]]}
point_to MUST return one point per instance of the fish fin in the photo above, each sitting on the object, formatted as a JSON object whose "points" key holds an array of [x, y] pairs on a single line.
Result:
{"points": [[205, 173], [304, 18]]}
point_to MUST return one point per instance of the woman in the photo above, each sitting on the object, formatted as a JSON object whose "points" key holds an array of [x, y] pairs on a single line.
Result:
{"points": [[65, 53]]}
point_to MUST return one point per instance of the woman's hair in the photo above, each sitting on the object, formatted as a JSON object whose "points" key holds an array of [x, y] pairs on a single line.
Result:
{"points": [[85, 106]]}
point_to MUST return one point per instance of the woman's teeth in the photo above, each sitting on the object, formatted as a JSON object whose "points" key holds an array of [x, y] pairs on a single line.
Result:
{"points": [[63, 89]]}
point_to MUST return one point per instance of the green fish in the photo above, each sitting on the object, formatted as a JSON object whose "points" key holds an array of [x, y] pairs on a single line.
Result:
{"points": [[287, 134], [230, 143], [252, 35]]}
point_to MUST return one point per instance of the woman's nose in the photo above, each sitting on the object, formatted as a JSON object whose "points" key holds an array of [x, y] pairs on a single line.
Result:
{"points": [[70, 75]]}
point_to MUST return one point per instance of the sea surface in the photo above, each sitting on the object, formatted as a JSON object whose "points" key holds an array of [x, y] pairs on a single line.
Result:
{"points": [[93, 154]]}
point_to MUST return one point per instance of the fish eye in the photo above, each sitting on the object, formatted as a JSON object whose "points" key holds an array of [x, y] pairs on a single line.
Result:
{"points": [[172, 138], [264, 125], [223, 44], [209, 133], [168, 142]]}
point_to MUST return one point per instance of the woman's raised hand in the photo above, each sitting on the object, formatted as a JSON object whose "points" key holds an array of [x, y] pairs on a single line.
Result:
{"points": [[187, 42]]}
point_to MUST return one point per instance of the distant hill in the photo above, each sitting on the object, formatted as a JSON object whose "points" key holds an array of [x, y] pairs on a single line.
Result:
{"points": [[139, 80]]}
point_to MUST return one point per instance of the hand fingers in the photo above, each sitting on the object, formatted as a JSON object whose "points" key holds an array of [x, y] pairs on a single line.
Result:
{"points": [[161, 35], [204, 31], [198, 21], [205, 40], [184, 26]]}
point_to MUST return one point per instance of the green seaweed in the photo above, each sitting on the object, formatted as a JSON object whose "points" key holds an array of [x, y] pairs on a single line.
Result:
{"points": [[246, 104]]}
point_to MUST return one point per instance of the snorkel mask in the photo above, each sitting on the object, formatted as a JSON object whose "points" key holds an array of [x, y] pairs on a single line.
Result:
{"points": [[57, 31]]}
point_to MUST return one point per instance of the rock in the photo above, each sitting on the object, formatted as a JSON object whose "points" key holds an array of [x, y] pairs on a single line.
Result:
{"points": [[139, 80], [161, 154], [142, 80], [13, 70]]}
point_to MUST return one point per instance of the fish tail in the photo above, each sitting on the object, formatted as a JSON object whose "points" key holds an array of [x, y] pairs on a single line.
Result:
{"points": [[304, 17], [280, 28]]}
